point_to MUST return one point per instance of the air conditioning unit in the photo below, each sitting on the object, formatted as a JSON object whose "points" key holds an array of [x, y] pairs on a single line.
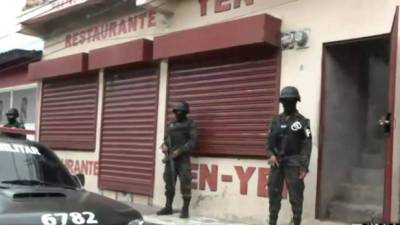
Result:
{"points": [[142, 2], [155, 5]]}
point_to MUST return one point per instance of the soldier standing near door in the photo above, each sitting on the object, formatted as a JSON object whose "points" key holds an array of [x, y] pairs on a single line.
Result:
{"points": [[179, 141], [288, 151]]}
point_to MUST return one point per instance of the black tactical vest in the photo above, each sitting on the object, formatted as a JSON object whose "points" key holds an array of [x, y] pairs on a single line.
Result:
{"points": [[288, 134], [178, 133]]}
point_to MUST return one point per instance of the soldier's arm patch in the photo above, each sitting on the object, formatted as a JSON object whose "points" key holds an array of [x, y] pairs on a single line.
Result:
{"points": [[308, 133], [307, 130]]}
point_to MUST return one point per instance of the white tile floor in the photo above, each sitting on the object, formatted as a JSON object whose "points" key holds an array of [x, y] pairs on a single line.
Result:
{"points": [[175, 220]]}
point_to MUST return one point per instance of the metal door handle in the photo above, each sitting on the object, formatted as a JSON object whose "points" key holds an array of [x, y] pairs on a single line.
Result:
{"points": [[385, 122]]}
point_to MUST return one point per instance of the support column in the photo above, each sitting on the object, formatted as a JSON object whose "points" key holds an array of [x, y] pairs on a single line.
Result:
{"points": [[39, 94], [158, 196], [100, 97]]}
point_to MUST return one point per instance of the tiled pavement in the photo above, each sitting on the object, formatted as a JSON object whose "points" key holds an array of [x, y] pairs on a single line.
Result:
{"points": [[150, 217]]}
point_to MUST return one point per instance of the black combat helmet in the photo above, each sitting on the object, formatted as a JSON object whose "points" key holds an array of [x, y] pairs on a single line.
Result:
{"points": [[13, 112], [181, 106], [290, 92]]}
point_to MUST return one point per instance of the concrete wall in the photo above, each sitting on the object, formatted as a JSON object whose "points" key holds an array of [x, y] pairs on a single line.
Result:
{"points": [[377, 104], [328, 20], [356, 97], [345, 120]]}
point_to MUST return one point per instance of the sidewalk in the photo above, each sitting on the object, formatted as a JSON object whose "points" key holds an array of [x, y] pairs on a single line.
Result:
{"points": [[150, 217]]}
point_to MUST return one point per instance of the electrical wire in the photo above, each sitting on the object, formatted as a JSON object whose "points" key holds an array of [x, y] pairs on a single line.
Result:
{"points": [[159, 33], [33, 10]]}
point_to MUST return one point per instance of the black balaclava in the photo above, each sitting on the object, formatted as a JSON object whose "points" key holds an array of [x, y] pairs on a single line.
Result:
{"points": [[180, 115], [11, 119], [289, 106]]}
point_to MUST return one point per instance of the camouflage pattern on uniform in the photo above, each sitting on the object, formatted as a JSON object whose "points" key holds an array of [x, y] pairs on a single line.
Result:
{"points": [[180, 140], [180, 136]]}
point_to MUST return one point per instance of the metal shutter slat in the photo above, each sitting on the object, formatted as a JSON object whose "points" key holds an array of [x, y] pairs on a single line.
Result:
{"points": [[234, 77], [67, 103], [224, 95], [62, 128], [232, 104], [66, 87], [226, 67], [67, 108], [118, 146], [140, 123], [68, 118], [128, 131], [71, 92]]}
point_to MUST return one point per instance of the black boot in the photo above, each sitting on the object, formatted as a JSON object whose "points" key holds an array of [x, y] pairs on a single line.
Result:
{"points": [[185, 208], [273, 219], [296, 220], [167, 210]]}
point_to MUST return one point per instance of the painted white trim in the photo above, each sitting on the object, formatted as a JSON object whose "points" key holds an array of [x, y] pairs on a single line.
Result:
{"points": [[38, 108], [99, 109], [19, 87], [161, 116], [33, 12]]}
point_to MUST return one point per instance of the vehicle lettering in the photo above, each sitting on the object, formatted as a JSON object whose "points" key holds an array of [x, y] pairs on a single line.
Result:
{"points": [[19, 148], [75, 217], [91, 218]]}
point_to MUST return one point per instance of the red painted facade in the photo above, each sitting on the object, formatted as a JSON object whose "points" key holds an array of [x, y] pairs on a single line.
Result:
{"points": [[232, 99], [230, 74], [14, 76], [66, 65], [137, 51], [14, 67], [263, 29], [17, 130]]}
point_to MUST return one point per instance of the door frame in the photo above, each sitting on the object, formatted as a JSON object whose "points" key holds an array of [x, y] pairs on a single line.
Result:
{"points": [[321, 131], [390, 203]]}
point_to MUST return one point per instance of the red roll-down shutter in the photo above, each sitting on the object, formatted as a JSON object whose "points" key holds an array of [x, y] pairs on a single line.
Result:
{"points": [[128, 131], [68, 112], [232, 103]]}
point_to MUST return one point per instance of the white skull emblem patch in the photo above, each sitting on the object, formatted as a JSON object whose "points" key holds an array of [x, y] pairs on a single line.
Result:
{"points": [[296, 126]]}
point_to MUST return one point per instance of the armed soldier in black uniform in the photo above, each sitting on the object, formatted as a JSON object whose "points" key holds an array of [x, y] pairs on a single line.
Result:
{"points": [[288, 151], [12, 117], [180, 140]]}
